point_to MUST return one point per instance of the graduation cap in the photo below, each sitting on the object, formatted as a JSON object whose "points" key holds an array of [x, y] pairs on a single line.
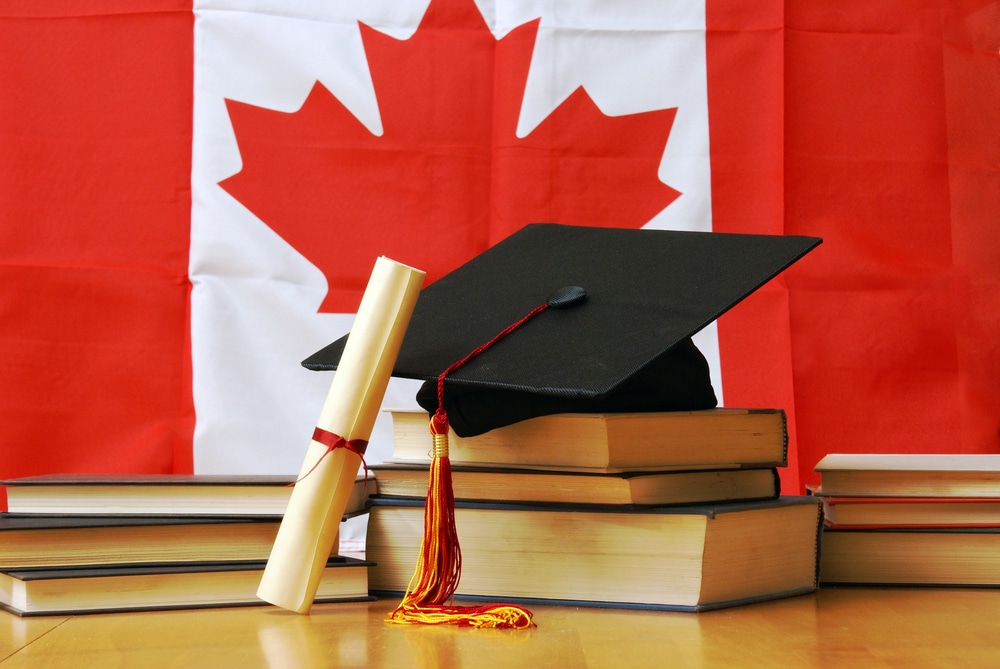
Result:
{"points": [[618, 338], [558, 319]]}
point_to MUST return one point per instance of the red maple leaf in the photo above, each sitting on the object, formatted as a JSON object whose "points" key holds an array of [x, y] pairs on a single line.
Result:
{"points": [[448, 177]]}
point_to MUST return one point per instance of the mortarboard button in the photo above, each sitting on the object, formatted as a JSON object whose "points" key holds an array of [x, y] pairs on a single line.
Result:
{"points": [[631, 301], [567, 296]]}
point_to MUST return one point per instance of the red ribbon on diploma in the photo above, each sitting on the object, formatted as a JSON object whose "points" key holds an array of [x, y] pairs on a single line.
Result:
{"points": [[334, 441]]}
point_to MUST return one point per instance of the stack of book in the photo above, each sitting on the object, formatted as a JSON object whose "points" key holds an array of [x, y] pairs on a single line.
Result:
{"points": [[84, 543], [677, 510], [908, 519]]}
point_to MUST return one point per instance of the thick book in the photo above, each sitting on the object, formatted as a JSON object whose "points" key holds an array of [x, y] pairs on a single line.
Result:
{"points": [[907, 512], [909, 475], [46, 541], [611, 442], [541, 486], [938, 557], [63, 591], [166, 494], [669, 557]]}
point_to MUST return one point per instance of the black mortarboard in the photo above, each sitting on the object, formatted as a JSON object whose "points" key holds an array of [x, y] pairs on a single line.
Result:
{"points": [[626, 346]]}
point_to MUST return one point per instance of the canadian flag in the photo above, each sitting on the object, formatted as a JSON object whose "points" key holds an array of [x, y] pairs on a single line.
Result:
{"points": [[192, 197]]}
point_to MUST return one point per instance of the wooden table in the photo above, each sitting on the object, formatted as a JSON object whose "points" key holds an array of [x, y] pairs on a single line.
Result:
{"points": [[844, 627]]}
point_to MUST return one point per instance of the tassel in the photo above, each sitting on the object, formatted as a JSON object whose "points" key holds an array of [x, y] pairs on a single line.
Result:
{"points": [[429, 595], [439, 565]]}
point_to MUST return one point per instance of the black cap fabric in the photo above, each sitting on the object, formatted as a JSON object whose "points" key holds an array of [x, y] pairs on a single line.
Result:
{"points": [[624, 346]]}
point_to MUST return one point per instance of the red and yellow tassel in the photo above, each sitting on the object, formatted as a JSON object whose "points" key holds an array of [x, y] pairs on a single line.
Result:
{"points": [[429, 596]]}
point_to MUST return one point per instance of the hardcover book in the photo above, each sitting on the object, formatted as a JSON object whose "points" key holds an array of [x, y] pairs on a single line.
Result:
{"points": [[615, 442], [940, 557], [906, 512], [167, 494], [45, 541], [909, 475], [668, 557], [540, 486], [106, 589]]}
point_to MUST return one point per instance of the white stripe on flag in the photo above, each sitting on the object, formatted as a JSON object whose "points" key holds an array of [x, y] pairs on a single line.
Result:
{"points": [[255, 298]]}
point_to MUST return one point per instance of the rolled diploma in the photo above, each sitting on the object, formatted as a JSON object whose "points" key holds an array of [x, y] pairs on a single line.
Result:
{"points": [[312, 518]]}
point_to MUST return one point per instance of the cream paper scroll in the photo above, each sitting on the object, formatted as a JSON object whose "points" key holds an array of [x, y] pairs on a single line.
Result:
{"points": [[312, 519]]}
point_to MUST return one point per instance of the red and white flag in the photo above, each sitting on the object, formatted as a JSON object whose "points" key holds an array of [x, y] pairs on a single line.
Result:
{"points": [[421, 133], [192, 198]]}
